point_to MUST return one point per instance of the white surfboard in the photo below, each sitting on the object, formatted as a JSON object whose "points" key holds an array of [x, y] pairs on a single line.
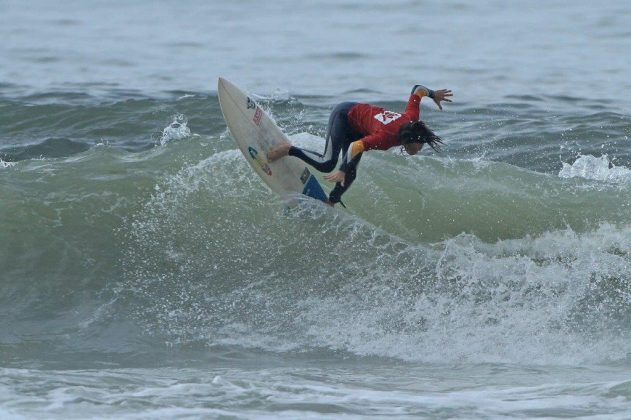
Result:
{"points": [[255, 133]]}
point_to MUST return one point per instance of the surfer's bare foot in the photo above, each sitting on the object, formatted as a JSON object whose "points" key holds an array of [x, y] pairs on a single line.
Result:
{"points": [[278, 151]]}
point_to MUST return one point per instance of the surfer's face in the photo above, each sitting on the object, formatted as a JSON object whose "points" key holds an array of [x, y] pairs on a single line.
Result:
{"points": [[413, 148]]}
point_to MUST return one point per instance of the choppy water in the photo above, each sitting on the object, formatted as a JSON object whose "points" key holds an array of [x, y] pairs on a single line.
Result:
{"points": [[145, 271]]}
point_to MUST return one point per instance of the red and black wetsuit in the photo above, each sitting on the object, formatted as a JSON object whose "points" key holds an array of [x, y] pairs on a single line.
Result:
{"points": [[355, 128]]}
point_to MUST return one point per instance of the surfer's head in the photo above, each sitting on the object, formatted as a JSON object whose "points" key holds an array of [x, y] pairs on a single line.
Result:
{"points": [[414, 135]]}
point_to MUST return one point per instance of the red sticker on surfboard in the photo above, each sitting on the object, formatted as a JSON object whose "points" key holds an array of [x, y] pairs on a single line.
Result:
{"points": [[257, 116]]}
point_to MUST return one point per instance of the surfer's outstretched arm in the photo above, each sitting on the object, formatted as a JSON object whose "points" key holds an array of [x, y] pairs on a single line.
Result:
{"points": [[436, 95]]}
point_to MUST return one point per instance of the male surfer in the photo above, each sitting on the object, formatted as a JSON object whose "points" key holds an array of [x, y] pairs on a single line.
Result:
{"points": [[355, 128]]}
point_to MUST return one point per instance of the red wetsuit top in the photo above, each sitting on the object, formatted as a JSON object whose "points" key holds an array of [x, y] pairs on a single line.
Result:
{"points": [[379, 127]]}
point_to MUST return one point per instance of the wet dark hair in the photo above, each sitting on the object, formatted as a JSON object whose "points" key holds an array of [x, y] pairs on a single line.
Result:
{"points": [[417, 132]]}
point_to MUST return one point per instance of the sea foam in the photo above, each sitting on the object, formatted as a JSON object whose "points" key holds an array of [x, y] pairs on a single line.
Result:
{"points": [[177, 130], [596, 168]]}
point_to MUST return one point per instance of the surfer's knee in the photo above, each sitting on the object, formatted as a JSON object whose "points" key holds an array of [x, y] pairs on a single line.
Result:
{"points": [[328, 166]]}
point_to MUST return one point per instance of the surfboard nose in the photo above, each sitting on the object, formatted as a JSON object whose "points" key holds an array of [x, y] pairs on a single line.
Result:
{"points": [[225, 84]]}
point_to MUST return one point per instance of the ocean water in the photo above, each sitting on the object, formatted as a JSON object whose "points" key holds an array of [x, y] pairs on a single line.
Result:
{"points": [[147, 272]]}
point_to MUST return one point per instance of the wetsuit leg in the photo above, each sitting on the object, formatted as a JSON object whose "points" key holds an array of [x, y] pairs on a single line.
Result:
{"points": [[336, 138]]}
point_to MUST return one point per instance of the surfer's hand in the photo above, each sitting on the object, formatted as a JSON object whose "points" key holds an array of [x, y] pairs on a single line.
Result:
{"points": [[339, 176], [442, 95]]}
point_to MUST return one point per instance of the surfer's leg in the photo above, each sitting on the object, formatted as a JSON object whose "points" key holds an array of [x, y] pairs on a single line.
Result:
{"points": [[336, 137]]}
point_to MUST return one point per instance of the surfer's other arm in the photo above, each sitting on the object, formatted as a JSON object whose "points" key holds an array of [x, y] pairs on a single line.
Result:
{"points": [[345, 176]]}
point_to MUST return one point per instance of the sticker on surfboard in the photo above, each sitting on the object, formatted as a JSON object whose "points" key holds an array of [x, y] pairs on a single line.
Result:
{"points": [[259, 160]]}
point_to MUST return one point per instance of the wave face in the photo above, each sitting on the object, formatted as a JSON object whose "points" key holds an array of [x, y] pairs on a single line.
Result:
{"points": [[129, 224], [544, 287]]}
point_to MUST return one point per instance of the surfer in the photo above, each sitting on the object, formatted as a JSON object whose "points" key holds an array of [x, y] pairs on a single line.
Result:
{"points": [[355, 128]]}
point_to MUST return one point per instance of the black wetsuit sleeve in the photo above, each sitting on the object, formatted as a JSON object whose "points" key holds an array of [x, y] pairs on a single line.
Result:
{"points": [[428, 91], [349, 167]]}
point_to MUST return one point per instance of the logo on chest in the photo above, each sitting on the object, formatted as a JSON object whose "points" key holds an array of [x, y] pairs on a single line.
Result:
{"points": [[386, 117]]}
